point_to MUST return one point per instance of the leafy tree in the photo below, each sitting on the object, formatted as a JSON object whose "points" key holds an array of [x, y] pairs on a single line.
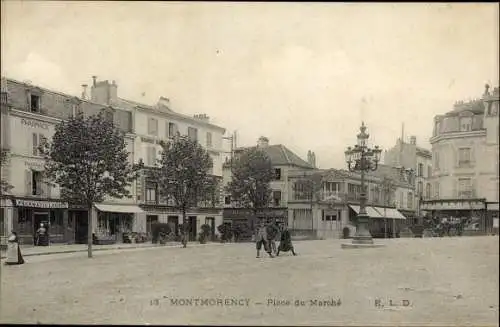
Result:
{"points": [[252, 173], [88, 159], [4, 185], [183, 175]]}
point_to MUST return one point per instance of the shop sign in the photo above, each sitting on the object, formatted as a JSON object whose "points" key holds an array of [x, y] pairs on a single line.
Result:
{"points": [[41, 204], [34, 124], [147, 140]]}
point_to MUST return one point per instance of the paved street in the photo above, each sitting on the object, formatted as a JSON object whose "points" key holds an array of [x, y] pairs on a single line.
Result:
{"points": [[447, 281]]}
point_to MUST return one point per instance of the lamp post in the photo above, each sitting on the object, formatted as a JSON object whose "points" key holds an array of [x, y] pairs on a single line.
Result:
{"points": [[362, 159]]}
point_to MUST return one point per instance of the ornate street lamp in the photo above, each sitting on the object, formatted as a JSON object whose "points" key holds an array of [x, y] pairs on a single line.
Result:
{"points": [[362, 159]]}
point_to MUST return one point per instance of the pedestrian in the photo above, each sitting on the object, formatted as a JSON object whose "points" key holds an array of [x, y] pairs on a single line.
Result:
{"points": [[285, 242], [41, 236], [14, 256], [272, 233], [261, 239]]}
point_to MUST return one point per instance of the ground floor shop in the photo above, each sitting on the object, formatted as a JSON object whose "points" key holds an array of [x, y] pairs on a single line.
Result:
{"points": [[476, 215], [195, 219], [245, 220], [26, 216]]}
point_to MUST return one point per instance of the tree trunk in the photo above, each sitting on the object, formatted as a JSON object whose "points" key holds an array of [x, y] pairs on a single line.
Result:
{"points": [[184, 228], [89, 233]]}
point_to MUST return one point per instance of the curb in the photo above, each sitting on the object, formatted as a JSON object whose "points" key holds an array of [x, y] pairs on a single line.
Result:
{"points": [[107, 249]]}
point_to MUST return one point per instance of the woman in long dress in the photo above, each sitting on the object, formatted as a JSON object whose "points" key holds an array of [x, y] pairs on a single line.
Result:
{"points": [[14, 256], [285, 242]]}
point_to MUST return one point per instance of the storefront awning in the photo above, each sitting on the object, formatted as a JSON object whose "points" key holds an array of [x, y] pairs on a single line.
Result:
{"points": [[391, 213], [118, 208], [369, 210]]}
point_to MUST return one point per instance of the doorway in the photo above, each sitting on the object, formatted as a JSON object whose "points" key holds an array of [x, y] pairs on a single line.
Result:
{"points": [[192, 228], [81, 222], [174, 221], [210, 221], [150, 220], [40, 218]]}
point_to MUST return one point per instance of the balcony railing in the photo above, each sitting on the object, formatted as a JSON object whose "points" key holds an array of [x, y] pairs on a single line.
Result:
{"points": [[466, 194]]}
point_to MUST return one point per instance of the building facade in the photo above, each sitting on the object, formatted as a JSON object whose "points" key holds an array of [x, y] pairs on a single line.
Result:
{"points": [[151, 125], [419, 160], [284, 162], [336, 203], [465, 154], [29, 115]]}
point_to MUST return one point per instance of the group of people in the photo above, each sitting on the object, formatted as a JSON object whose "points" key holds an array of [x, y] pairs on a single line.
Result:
{"points": [[267, 235]]}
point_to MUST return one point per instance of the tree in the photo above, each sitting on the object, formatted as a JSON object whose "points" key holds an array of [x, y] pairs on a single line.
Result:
{"points": [[88, 159], [252, 173], [183, 175], [310, 186], [4, 185]]}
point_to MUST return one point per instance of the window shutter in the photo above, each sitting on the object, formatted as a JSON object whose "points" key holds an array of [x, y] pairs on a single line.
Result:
{"points": [[167, 132], [49, 190], [35, 144], [27, 181], [41, 107]]}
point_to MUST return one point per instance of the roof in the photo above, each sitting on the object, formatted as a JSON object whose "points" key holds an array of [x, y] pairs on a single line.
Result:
{"points": [[280, 155], [131, 105]]}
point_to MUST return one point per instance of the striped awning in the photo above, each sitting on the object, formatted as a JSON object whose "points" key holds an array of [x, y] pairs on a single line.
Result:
{"points": [[371, 211], [378, 212], [118, 208]]}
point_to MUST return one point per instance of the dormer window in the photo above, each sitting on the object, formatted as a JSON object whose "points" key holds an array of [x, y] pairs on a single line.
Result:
{"points": [[34, 103], [465, 124]]}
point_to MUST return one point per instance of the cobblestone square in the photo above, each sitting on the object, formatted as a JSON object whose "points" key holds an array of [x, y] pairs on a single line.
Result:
{"points": [[435, 281]]}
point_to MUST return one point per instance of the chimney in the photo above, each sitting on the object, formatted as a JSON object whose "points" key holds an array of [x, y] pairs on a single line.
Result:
{"points": [[413, 140], [163, 103], [313, 157], [263, 142], [84, 91], [103, 92]]}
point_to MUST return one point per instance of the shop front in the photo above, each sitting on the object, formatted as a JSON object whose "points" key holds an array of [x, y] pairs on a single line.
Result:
{"points": [[29, 215], [115, 221]]}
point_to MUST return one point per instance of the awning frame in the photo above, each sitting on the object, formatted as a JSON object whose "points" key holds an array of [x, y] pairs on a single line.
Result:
{"points": [[117, 208]]}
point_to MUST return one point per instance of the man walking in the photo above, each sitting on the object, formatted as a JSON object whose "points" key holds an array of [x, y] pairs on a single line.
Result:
{"points": [[272, 233], [261, 239]]}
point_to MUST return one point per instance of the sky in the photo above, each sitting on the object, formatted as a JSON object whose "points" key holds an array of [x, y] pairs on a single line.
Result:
{"points": [[302, 74]]}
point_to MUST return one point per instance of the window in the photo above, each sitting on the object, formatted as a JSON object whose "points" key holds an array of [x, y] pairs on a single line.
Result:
{"points": [[38, 139], [3, 222], [277, 198], [34, 103], [465, 124], [172, 129], [420, 188], [153, 126], [277, 174], [108, 115], [150, 220], [428, 190], [36, 182], [151, 155], [401, 199], [429, 171], [209, 140], [410, 200], [464, 188], [329, 217], [420, 170], [227, 200], [464, 157], [151, 194], [436, 190], [193, 134]]}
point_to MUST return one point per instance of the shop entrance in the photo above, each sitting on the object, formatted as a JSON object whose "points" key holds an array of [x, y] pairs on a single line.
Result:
{"points": [[40, 218], [192, 228], [81, 222]]}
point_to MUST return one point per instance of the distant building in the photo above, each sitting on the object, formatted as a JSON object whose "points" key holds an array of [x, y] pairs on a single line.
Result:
{"points": [[410, 155], [284, 163], [465, 154]]}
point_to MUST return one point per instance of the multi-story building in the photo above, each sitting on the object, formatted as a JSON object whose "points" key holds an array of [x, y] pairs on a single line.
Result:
{"points": [[337, 201], [465, 154], [419, 160], [284, 163], [29, 115], [151, 125]]}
